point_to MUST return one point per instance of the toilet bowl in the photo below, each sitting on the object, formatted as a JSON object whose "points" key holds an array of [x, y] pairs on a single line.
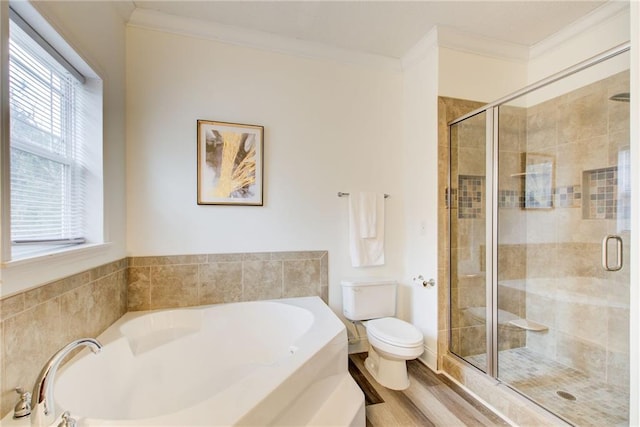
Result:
{"points": [[391, 343]]}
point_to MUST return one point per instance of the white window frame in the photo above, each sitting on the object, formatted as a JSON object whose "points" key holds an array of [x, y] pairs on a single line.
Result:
{"points": [[55, 258]]}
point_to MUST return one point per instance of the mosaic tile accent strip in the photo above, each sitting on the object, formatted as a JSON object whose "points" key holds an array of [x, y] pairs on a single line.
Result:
{"points": [[450, 198], [563, 197], [471, 196], [539, 378], [568, 196], [510, 199], [603, 193], [539, 198]]}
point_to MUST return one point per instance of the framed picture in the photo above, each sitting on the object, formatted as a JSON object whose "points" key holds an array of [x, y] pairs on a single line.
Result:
{"points": [[230, 168], [538, 180]]}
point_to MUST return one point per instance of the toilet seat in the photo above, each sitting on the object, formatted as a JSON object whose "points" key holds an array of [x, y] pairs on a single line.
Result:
{"points": [[395, 332]]}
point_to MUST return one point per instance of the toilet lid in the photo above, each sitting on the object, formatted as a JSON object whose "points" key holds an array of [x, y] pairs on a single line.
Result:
{"points": [[395, 332]]}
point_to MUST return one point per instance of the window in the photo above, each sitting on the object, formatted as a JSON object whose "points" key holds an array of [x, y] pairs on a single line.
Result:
{"points": [[50, 152]]}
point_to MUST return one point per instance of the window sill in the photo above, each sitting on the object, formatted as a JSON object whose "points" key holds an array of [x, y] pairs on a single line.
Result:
{"points": [[28, 273], [65, 254]]}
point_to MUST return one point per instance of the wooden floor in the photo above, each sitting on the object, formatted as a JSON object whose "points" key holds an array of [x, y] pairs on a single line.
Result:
{"points": [[430, 400]]}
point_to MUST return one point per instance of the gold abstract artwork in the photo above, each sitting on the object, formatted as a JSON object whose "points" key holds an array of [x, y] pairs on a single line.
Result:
{"points": [[229, 163]]}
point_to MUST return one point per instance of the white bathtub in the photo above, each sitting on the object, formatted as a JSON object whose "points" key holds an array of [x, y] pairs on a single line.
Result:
{"points": [[280, 362]]}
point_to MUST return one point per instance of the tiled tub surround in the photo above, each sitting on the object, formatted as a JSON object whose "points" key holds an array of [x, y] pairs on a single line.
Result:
{"points": [[36, 323], [188, 280]]}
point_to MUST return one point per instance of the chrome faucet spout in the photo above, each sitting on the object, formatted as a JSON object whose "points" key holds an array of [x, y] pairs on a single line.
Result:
{"points": [[43, 405]]}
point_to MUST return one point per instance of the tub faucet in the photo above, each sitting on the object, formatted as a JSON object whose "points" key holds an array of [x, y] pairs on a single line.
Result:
{"points": [[43, 408]]}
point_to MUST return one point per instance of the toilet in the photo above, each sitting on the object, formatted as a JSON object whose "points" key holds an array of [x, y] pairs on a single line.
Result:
{"points": [[391, 341]]}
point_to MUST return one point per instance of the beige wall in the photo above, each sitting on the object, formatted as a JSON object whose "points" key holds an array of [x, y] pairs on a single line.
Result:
{"points": [[467, 75], [329, 127], [418, 304]]}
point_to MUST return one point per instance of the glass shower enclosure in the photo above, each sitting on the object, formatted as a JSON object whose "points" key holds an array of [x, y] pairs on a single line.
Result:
{"points": [[539, 223]]}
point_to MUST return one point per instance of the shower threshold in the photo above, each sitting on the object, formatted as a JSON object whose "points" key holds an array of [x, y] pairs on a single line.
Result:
{"points": [[546, 381]]}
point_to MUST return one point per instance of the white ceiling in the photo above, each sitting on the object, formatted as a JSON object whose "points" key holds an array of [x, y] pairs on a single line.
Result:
{"points": [[388, 28]]}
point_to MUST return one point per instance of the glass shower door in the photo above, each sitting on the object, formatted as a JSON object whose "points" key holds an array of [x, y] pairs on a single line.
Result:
{"points": [[467, 203], [562, 245]]}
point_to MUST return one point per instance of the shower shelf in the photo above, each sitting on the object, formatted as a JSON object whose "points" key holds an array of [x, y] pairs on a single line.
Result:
{"points": [[529, 325], [505, 318]]}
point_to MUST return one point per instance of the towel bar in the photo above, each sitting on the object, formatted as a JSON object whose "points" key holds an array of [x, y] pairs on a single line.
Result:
{"points": [[341, 194]]}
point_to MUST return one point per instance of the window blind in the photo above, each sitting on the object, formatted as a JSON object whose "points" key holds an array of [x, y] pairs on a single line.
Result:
{"points": [[47, 178]]}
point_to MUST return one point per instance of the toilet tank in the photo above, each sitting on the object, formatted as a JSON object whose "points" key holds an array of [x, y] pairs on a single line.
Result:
{"points": [[364, 299]]}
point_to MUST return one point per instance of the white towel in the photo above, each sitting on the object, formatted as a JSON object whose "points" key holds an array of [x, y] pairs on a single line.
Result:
{"points": [[366, 229], [365, 211]]}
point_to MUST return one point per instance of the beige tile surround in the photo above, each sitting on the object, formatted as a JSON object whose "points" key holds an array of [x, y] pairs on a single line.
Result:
{"points": [[178, 281], [36, 323], [590, 338], [448, 109]]}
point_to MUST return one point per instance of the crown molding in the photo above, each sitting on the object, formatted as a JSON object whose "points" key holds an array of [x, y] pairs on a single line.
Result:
{"points": [[451, 38], [153, 20], [444, 37], [596, 17], [124, 8], [421, 49], [472, 43]]}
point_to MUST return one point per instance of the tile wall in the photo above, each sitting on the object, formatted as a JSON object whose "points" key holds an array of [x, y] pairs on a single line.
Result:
{"points": [[36, 323], [549, 258], [585, 307], [470, 196], [602, 198], [473, 287], [468, 226], [178, 281]]}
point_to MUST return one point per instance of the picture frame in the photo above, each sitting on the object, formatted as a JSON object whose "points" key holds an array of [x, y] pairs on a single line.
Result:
{"points": [[538, 182], [230, 163]]}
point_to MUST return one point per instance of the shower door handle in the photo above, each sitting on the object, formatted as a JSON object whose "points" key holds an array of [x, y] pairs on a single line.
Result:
{"points": [[605, 252]]}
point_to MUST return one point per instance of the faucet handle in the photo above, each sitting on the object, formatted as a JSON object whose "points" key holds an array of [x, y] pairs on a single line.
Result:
{"points": [[23, 407], [67, 421]]}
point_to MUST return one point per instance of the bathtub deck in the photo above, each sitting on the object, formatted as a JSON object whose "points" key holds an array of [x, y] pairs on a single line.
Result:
{"points": [[430, 400]]}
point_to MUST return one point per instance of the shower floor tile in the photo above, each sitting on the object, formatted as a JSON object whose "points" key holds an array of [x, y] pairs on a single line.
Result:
{"points": [[540, 379]]}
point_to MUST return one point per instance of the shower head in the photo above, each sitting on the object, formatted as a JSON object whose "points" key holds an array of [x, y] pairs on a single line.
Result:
{"points": [[623, 97]]}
